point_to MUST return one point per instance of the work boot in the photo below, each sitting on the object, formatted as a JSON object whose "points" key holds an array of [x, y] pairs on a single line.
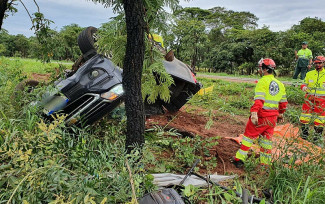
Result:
{"points": [[304, 131], [318, 133], [237, 162]]}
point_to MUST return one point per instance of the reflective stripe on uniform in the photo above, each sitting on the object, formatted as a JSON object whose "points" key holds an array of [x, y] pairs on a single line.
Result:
{"points": [[259, 98], [270, 108], [284, 98], [266, 144], [248, 142], [315, 94], [242, 155], [265, 158], [305, 117], [320, 119], [272, 102]]}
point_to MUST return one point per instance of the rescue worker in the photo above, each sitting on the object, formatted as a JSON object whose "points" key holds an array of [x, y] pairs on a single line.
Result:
{"points": [[314, 105], [305, 59], [270, 103]]}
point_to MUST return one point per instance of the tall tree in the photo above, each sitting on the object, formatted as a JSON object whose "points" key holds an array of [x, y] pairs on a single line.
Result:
{"points": [[136, 11], [132, 71], [190, 33]]}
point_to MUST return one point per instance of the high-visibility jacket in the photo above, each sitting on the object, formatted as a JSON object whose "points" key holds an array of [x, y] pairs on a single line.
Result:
{"points": [[270, 97], [304, 55], [315, 81], [314, 98]]}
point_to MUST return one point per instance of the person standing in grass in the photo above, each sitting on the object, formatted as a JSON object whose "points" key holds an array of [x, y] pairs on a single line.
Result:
{"points": [[314, 106], [270, 103], [304, 57]]}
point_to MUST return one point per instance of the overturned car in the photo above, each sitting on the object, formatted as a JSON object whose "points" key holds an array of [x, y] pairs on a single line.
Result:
{"points": [[94, 88]]}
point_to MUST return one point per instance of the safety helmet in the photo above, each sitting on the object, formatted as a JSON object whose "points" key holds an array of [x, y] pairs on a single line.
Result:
{"points": [[267, 63], [319, 59], [318, 62]]}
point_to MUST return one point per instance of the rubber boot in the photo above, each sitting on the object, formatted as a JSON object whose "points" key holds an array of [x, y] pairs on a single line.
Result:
{"points": [[304, 131], [318, 133]]}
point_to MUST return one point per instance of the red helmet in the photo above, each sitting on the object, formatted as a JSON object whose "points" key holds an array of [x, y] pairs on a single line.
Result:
{"points": [[319, 59], [267, 63]]}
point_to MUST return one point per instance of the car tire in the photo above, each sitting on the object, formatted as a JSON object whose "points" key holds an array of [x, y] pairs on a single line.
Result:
{"points": [[86, 42]]}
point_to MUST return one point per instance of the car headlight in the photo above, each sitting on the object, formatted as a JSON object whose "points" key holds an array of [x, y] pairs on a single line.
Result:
{"points": [[114, 93]]}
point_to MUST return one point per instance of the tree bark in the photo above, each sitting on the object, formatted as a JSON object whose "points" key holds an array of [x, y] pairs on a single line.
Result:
{"points": [[132, 73], [3, 8]]}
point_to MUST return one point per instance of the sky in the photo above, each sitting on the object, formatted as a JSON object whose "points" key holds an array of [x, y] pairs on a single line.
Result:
{"points": [[278, 15]]}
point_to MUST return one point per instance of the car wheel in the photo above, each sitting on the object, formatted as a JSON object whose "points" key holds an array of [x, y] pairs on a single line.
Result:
{"points": [[86, 41]]}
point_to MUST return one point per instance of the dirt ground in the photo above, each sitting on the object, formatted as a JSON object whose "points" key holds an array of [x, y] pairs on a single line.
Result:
{"points": [[191, 124]]}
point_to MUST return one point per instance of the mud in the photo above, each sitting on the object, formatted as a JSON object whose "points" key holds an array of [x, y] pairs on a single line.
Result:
{"points": [[194, 123]]}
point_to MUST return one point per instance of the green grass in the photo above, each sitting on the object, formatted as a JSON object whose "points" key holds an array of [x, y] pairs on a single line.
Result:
{"points": [[228, 97], [32, 65]]}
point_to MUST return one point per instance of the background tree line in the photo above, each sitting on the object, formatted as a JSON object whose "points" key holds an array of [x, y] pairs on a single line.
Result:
{"points": [[219, 39]]}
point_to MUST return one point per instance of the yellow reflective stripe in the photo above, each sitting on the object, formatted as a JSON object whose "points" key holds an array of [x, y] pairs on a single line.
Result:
{"points": [[265, 158], [259, 93], [266, 144], [320, 119], [305, 117], [248, 142], [242, 155]]}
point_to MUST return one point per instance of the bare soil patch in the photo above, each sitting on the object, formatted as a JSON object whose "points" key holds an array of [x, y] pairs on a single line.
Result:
{"points": [[191, 124]]}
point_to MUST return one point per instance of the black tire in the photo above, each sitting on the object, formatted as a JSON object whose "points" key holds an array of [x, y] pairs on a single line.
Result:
{"points": [[86, 42]]}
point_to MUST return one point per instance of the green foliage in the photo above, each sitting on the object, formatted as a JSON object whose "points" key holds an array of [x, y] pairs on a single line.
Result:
{"points": [[294, 95], [2, 48], [226, 96], [155, 79], [185, 150]]}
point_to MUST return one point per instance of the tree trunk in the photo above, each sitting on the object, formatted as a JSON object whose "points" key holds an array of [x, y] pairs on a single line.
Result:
{"points": [[132, 72], [3, 8]]}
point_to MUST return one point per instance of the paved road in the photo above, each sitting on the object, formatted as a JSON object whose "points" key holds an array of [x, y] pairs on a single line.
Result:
{"points": [[235, 79]]}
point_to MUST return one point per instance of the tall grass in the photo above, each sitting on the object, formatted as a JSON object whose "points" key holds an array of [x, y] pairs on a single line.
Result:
{"points": [[31, 65], [43, 162]]}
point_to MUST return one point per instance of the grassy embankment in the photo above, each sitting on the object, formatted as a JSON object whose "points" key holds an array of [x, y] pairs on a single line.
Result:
{"points": [[57, 164]]}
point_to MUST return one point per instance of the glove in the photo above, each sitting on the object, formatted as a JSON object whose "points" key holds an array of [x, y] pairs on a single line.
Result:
{"points": [[254, 118], [280, 118], [304, 88]]}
